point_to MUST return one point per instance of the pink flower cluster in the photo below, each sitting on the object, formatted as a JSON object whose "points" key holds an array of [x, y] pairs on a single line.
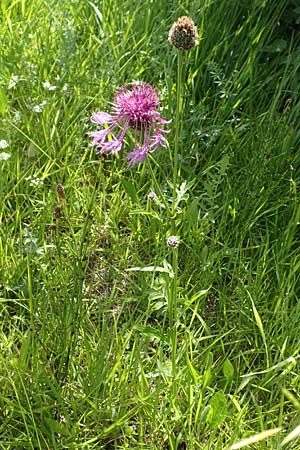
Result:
{"points": [[134, 108]]}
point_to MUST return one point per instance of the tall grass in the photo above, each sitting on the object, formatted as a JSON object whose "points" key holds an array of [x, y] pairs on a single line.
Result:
{"points": [[86, 346]]}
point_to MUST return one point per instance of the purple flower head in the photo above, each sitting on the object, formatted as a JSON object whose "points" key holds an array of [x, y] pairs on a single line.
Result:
{"points": [[134, 108]]}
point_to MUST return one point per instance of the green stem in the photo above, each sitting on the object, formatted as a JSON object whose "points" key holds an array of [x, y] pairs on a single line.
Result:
{"points": [[173, 289], [177, 128], [173, 314]]}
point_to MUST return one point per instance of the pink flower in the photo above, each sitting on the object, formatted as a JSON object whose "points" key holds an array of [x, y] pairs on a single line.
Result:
{"points": [[135, 109]]}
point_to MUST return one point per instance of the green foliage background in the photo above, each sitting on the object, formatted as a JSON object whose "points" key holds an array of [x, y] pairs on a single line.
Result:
{"points": [[85, 357]]}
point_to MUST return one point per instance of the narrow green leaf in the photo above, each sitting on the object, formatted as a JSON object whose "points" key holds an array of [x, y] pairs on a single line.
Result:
{"points": [[291, 436], [148, 269], [291, 398], [204, 413], [197, 296], [290, 360], [256, 438], [167, 269], [151, 332], [3, 102], [192, 369], [259, 325], [25, 350]]}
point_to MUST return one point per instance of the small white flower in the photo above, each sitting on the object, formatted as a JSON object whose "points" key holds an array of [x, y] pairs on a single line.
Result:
{"points": [[4, 156], [14, 80], [17, 118], [3, 144], [39, 108], [34, 180], [47, 85]]}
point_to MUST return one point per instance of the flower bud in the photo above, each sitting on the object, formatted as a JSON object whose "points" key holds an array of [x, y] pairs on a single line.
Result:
{"points": [[152, 196], [173, 241]]}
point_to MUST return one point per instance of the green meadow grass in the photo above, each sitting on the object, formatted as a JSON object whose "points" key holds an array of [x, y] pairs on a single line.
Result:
{"points": [[85, 359]]}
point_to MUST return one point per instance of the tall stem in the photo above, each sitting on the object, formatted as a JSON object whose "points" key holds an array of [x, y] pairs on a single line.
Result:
{"points": [[177, 128], [173, 319], [173, 314]]}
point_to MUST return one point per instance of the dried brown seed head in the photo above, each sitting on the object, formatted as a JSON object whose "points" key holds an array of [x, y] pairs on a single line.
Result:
{"points": [[183, 34], [61, 191]]}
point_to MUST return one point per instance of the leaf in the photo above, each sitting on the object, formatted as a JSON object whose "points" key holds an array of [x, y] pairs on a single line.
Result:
{"points": [[291, 398], [289, 360], [206, 377], [192, 214], [3, 102], [228, 370], [31, 150], [259, 324], [197, 296], [56, 427], [277, 46], [256, 438], [167, 269], [204, 413], [192, 370], [130, 190], [182, 192], [291, 436], [219, 404], [224, 163], [25, 350], [149, 269], [157, 306], [151, 332], [97, 11]]}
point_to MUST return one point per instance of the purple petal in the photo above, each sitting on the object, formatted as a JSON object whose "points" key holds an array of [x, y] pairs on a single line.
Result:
{"points": [[113, 146], [99, 136], [102, 118], [157, 140], [163, 131], [138, 155], [161, 120]]}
